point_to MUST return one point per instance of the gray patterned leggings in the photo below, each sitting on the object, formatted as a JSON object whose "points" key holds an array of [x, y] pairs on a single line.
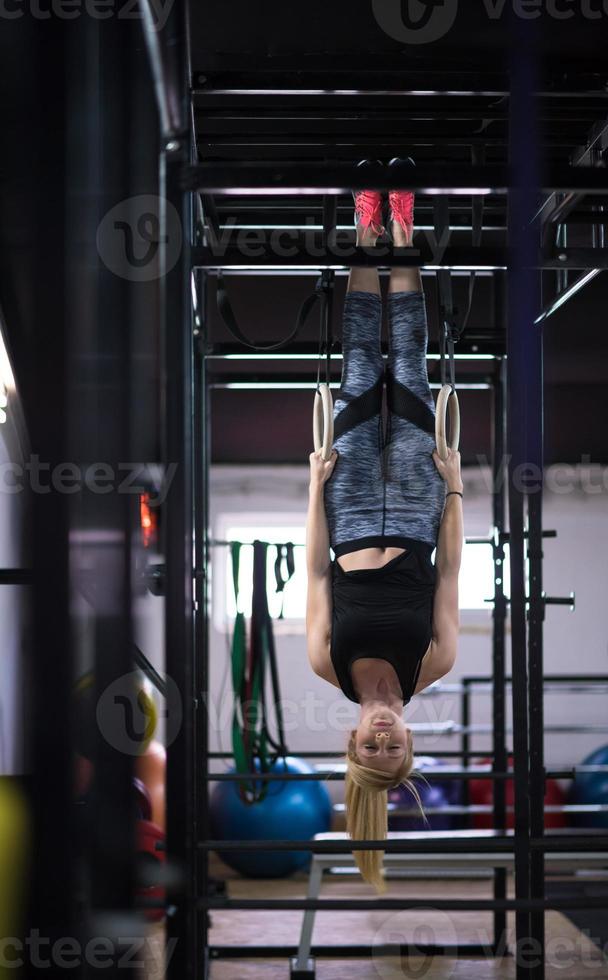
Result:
{"points": [[385, 488]]}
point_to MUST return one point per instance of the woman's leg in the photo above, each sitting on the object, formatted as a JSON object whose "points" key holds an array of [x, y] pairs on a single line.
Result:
{"points": [[415, 493], [362, 278], [404, 279], [354, 494]]}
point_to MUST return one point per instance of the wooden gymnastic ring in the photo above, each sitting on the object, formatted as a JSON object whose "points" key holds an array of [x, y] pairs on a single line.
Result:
{"points": [[447, 401], [323, 421]]}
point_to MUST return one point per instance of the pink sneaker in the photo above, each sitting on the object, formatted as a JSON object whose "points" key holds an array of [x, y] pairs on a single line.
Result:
{"points": [[401, 203], [368, 207]]}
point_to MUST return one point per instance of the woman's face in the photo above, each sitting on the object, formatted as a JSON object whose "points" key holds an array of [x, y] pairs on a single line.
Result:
{"points": [[382, 740]]}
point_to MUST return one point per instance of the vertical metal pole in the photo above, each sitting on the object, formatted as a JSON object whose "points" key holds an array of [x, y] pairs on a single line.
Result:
{"points": [[178, 544], [102, 337], [202, 462], [499, 612], [465, 742], [536, 612], [178, 517], [536, 712], [522, 436], [41, 179]]}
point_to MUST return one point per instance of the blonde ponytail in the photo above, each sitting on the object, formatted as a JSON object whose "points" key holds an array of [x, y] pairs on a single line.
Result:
{"points": [[366, 799]]}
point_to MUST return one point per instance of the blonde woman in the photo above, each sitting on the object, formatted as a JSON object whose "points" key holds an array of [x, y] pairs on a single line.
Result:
{"points": [[382, 618]]}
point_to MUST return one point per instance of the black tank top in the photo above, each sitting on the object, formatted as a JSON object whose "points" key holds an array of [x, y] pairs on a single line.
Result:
{"points": [[383, 613]]}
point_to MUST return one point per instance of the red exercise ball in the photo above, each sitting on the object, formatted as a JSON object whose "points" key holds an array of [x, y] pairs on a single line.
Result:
{"points": [[481, 792], [151, 862]]}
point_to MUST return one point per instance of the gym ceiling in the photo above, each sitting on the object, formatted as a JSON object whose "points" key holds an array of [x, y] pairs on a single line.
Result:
{"points": [[329, 83]]}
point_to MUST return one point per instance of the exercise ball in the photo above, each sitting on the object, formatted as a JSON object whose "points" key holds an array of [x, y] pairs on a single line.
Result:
{"points": [[435, 793], [481, 792], [150, 866], [591, 787], [150, 767], [289, 811]]}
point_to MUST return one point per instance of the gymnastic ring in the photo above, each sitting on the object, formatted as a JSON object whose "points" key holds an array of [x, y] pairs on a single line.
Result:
{"points": [[323, 421], [447, 401]]}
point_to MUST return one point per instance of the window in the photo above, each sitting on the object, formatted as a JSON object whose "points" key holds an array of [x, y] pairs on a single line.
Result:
{"points": [[246, 530], [475, 583]]}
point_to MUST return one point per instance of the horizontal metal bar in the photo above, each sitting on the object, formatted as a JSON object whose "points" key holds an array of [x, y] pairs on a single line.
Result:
{"points": [[434, 845], [313, 178], [463, 950], [447, 753], [481, 772], [296, 271], [429, 843], [563, 842], [219, 543], [552, 678], [265, 255], [455, 810], [16, 576], [270, 384], [310, 352], [421, 255], [379, 74], [338, 773], [402, 904]]}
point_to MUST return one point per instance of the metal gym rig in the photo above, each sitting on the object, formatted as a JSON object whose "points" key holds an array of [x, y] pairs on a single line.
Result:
{"points": [[198, 122]]}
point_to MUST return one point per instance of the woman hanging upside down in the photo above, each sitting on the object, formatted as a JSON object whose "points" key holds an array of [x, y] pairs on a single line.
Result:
{"points": [[382, 619]]}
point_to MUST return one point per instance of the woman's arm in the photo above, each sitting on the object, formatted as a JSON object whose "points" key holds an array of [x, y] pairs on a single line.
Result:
{"points": [[318, 568], [442, 653]]}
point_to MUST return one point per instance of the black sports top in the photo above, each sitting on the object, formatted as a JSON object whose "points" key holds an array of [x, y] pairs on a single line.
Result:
{"points": [[384, 613]]}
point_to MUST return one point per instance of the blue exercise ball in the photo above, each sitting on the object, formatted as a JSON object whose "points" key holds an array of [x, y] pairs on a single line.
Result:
{"points": [[289, 811], [591, 787], [435, 793]]}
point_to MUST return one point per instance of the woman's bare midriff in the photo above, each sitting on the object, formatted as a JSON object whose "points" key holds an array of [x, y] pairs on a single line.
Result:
{"points": [[368, 558]]}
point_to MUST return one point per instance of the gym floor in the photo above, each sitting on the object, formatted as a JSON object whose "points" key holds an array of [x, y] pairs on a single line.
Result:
{"points": [[570, 953]]}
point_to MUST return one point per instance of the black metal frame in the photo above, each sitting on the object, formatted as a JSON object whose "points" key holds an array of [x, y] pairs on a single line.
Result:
{"points": [[517, 413]]}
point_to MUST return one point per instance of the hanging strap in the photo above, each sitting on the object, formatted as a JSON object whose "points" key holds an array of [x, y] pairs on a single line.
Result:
{"points": [[290, 562], [227, 314], [451, 330], [262, 630], [478, 153], [324, 289], [238, 661]]}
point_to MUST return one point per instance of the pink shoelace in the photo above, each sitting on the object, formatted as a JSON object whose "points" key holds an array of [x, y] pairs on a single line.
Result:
{"points": [[368, 210]]}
